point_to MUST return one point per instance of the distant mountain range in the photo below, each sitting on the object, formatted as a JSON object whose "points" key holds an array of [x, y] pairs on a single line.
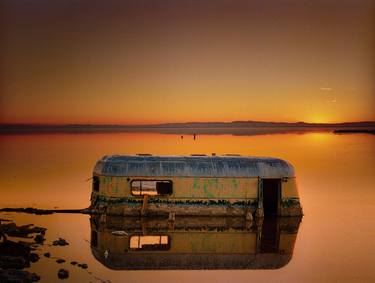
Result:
{"points": [[236, 124], [235, 127]]}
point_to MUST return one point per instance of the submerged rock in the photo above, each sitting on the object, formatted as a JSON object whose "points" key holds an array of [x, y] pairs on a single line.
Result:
{"points": [[34, 257], [47, 254], [17, 262], [60, 242], [73, 263], [21, 276], [14, 249], [60, 260], [38, 211], [63, 273], [14, 255], [11, 229], [83, 265], [39, 239]]}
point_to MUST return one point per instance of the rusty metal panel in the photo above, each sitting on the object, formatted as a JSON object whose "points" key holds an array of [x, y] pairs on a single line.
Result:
{"points": [[193, 166]]}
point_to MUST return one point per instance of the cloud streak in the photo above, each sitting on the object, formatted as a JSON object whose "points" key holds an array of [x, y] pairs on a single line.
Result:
{"points": [[326, 89]]}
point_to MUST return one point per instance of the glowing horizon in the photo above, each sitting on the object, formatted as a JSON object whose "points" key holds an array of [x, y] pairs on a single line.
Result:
{"points": [[142, 62]]}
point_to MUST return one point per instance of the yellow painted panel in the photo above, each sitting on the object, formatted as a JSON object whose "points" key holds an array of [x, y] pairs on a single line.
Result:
{"points": [[112, 186], [286, 243], [216, 188], [289, 188], [191, 242], [106, 241], [221, 188], [205, 242]]}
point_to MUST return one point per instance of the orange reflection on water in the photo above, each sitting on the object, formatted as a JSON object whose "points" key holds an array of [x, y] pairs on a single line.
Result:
{"points": [[334, 172], [52, 170]]}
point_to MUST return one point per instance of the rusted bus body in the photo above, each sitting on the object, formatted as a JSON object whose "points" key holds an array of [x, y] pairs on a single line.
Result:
{"points": [[193, 242], [194, 185]]}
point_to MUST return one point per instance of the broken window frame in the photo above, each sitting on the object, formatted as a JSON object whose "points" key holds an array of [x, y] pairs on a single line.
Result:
{"points": [[155, 188]]}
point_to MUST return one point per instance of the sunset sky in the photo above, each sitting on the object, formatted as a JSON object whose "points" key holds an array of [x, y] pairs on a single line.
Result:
{"points": [[73, 61]]}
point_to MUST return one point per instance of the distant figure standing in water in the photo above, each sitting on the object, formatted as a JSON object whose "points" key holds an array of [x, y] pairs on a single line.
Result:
{"points": [[194, 136], [182, 137]]}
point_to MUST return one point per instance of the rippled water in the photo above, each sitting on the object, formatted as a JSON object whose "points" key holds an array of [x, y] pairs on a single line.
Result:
{"points": [[334, 243]]}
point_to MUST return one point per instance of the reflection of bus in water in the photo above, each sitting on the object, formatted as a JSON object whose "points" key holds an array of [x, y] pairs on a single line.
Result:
{"points": [[193, 242]]}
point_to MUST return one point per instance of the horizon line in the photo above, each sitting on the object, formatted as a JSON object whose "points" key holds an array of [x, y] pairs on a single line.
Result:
{"points": [[180, 123]]}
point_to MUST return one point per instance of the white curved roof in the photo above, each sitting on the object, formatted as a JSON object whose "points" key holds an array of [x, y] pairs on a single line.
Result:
{"points": [[193, 166]]}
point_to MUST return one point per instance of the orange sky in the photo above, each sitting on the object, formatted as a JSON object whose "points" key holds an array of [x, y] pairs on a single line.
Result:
{"points": [[146, 61]]}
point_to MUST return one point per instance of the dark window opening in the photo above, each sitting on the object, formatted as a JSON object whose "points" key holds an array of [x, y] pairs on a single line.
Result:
{"points": [[149, 243], [95, 184], [94, 239], [151, 187], [271, 196], [164, 188]]}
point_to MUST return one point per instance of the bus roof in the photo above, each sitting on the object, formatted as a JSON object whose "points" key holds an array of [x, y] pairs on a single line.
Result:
{"points": [[193, 166]]}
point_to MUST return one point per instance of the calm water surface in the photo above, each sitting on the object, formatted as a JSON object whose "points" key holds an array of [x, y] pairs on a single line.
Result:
{"points": [[335, 240]]}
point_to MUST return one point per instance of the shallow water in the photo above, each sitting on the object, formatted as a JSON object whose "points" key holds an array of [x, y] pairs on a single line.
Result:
{"points": [[335, 240]]}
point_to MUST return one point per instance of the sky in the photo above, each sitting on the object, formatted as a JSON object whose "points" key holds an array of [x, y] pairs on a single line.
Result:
{"points": [[148, 61]]}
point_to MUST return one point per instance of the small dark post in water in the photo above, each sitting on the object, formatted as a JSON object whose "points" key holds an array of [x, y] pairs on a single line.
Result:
{"points": [[182, 137], [2, 233], [194, 136]]}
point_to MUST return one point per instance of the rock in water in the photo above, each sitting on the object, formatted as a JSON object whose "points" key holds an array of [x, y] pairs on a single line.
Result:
{"points": [[15, 275], [33, 257], [11, 229], [63, 273], [14, 249], [14, 255], [60, 242], [39, 239], [83, 265]]}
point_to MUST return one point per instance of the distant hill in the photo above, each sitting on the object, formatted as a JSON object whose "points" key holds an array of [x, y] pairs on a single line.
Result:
{"points": [[235, 127], [264, 124]]}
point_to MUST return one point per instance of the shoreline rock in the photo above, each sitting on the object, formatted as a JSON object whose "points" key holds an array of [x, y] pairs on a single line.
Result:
{"points": [[38, 211], [23, 231], [16, 275], [14, 256]]}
